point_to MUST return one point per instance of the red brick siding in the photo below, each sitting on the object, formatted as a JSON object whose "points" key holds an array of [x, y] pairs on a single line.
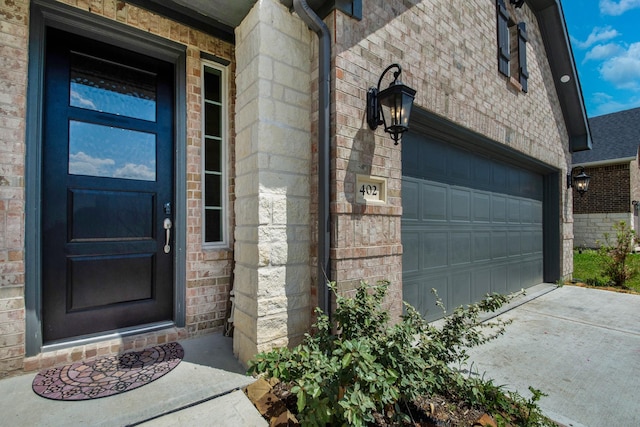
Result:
{"points": [[208, 270], [609, 191]]}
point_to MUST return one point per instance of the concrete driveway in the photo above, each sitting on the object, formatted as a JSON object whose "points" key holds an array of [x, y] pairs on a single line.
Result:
{"points": [[580, 346]]}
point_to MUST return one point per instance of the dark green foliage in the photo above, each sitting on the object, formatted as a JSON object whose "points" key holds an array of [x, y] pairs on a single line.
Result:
{"points": [[370, 365], [614, 256]]}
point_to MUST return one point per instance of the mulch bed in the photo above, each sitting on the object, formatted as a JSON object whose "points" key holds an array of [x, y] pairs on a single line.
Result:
{"points": [[277, 405]]}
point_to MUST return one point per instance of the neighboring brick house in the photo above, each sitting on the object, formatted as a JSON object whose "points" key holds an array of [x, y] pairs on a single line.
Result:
{"points": [[614, 189], [158, 154]]}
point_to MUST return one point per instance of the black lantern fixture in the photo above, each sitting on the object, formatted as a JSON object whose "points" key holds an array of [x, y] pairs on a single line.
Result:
{"points": [[390, 107], [580, 181]]}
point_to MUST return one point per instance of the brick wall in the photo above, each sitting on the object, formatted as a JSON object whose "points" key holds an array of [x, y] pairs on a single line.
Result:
{"points": [[208, 271], [448, 54], [591, 229], [14, 18], [609, 191]]}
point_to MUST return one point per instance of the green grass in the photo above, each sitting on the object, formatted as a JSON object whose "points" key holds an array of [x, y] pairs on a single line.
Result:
{"points": [[587, 265]]}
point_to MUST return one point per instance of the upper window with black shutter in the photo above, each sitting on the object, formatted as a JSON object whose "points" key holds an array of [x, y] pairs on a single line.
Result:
{"points": [[523, 73], [512, 47]]}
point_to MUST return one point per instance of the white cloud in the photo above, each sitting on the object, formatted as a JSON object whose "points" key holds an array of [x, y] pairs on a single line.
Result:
{"points": [[78, 100], [133, 171], [83, 164], [623, 70], [606, 104], [603, 51], [598, 34], [615, 8]]}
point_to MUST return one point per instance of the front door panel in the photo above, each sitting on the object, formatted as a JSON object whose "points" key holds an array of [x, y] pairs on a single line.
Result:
{"points": [[107, 188]]}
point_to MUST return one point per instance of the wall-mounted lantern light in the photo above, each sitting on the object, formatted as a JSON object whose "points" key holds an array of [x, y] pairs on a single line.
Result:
{"points": [[390, 107], [580, 181]]}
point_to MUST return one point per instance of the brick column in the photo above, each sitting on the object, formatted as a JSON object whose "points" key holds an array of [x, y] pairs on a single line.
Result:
{"points": [[273, 152]]}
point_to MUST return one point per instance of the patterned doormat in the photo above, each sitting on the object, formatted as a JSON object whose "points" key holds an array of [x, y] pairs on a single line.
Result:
{"points": [[107, 376]]}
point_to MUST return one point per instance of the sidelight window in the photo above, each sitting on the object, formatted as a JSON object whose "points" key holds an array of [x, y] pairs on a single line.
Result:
{"points": [[214, 154]]}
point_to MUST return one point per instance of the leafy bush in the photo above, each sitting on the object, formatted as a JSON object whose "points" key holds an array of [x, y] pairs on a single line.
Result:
{"points": [[372, 366], [614, 257]]}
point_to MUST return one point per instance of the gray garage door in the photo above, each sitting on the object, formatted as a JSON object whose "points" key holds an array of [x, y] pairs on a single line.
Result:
{"points": [[471, 225]]}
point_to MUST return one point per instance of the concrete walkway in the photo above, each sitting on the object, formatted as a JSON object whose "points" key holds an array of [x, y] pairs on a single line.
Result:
{"points": [[581, 347], [203, 390]]}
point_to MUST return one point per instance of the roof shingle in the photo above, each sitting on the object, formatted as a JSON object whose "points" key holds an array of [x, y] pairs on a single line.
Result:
{"points": [[614, 136]]}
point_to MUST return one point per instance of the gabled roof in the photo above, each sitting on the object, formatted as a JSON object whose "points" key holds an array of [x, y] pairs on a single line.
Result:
{"points": [[615, 136]]}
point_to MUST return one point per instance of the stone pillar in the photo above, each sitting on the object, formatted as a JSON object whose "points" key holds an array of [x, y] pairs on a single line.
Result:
{"points": [[273, 163]]}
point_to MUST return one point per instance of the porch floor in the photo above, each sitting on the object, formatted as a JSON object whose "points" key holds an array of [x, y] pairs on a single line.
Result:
{"points": [[209, 378]]}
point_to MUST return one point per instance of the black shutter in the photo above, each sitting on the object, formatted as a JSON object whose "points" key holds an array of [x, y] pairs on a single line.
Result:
{"points": [[503, 37], [522, 55]]}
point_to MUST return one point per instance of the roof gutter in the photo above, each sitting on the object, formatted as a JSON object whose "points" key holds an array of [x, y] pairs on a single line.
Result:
{"points": [[324, 217]]}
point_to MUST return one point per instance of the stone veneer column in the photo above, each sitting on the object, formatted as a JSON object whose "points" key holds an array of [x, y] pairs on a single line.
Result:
{"points": [[273, 155]]}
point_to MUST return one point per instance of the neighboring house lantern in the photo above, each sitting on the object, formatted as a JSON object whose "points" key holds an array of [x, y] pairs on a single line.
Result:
{"points": [[391, 106], [580, 181]]}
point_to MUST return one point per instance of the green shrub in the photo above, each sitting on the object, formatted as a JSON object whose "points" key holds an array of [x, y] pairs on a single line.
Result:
{"points": [[370, 365], [614, 256]]}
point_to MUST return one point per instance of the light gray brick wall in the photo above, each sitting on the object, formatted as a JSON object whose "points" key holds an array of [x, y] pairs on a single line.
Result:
{"points": [[590, 230], [448, 51]]}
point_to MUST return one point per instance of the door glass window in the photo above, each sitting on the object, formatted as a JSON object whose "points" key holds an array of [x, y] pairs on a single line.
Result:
{"points": [[105, 86], [111, 152]]}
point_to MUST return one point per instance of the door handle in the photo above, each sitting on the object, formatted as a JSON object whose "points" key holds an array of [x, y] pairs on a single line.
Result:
{"points": [[167, 228]]}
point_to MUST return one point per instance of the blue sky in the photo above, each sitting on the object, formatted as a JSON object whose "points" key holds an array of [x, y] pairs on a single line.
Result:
{"points": [[605, 38]]}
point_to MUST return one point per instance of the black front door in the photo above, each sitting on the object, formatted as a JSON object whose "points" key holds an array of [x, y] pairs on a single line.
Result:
{"points": [[107, 188]]}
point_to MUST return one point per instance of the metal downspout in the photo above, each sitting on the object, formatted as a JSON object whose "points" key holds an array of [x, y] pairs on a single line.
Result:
{"points": [[324, 79]]}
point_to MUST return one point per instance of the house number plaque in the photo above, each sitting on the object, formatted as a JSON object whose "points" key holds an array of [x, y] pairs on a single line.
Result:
{"points": [[371, 189]]}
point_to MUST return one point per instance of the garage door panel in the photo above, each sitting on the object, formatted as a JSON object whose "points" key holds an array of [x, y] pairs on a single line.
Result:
{"points": [[514, 181], [513, 276], [526, 212], [498, 208], [461, 286], [461, 248], [499, 178], [499, 279], [481, 283], [411, 206], [514, 243], [460, 205], [536, 213], [482, 172], [513, 209], [499, 244], [459, 164], [434, 202], [435, 249], [411, 254], [482, 246], [481, 207]]}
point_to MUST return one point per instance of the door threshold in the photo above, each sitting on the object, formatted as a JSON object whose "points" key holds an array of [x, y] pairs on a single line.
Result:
{"points": [[106, 336]]}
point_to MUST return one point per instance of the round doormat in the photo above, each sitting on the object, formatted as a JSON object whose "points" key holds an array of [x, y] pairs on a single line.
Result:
{"points": [[107, 376]]}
